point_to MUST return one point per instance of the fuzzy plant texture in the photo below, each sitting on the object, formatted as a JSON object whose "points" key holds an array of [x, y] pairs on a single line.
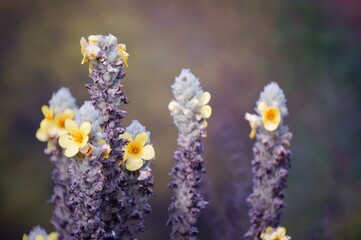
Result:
{"points": [[61, 107], [86, 146], [136, 179], [271, 161], [40, 234], [190, 110]]}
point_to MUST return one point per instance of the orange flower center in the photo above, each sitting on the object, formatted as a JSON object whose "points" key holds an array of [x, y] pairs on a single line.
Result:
{"points": [[134, 148], [77, 137], [270, 115]]}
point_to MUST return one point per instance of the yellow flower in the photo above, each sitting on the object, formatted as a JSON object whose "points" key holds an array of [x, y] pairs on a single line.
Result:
{"points": [[271, 116], [76, 138], [254, 121], [51, 236], [59, 122], [275, 234], [46, 124], [136, 151], [123, 54], [90, 51], [205, 110]]}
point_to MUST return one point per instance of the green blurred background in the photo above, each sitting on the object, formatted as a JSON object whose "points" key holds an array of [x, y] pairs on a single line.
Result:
{"points": [[311, 48]]}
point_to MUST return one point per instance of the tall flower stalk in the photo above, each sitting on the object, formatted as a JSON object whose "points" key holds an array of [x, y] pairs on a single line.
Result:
{"points": [[61, 107], [106, 65], [136, 179], [271, 161], [189, 109]]}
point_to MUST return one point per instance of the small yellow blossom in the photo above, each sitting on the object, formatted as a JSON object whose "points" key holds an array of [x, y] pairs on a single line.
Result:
{"points": [[59, 121], [51, 236], [89, 50], [254, 121], [205, 110], [136, 151], [275, 234], [271, 116], [76, 138], [106, 151], [46, 124], [173, 107], [123, 54]]}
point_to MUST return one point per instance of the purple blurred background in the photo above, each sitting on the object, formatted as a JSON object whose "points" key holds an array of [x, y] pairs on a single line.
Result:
{"points": [[311, 48]]}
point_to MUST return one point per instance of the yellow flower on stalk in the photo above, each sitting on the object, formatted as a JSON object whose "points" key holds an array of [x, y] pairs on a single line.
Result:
{"points": [[254, 121], [271, 116], [51, 236], [275, 234], [76, 138], [89, 50], [46, 124], [205, 110], [123, 54], [59, 121], [136, 151]]}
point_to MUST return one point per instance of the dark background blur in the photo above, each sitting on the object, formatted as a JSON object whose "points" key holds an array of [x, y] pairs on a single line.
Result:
{"points": [[311, 48]]}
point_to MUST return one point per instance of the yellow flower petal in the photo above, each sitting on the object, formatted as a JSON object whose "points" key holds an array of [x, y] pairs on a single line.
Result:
{"points": [[271, 118], [205, 97], [85, 128], [148, 152], [41, 135], [65, 141], [25, 237], [71, 151], [173, 107], [40, 237], [126, 136], [83, 42], [252, 134], [84, 142], [71, 126], [261, 106], [284, 238], [205, 111], [142, 138], [133, 164], [53, 236], [281, 231]]}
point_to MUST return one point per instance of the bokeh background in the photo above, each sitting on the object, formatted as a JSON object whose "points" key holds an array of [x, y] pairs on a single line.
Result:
{"points": [[311, 48]]}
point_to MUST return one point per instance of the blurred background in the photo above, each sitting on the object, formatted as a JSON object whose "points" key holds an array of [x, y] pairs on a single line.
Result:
{"points": [[311, 48]]}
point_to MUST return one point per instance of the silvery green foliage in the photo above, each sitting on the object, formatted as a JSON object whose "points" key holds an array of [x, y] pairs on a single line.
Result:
{"points": [[135, 128], [273, 95], [87, 183], [269, 169], [62, 100], [106, 93], [188, 169], [88, 113], [61, 219], [136, 188], [37, 231]]}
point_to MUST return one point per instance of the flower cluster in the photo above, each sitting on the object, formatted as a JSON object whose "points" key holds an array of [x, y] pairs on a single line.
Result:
{"points": [[136, 151], [190, 102], [61, 107], [278, 233], [40, 234], [271, 161], [271, 108], [189, 110], [92, 50]]}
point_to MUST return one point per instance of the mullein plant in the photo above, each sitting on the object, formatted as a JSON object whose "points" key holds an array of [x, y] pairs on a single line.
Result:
{"points": [[190, 111], [61, 107], [270, 165], [86, 146]]}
